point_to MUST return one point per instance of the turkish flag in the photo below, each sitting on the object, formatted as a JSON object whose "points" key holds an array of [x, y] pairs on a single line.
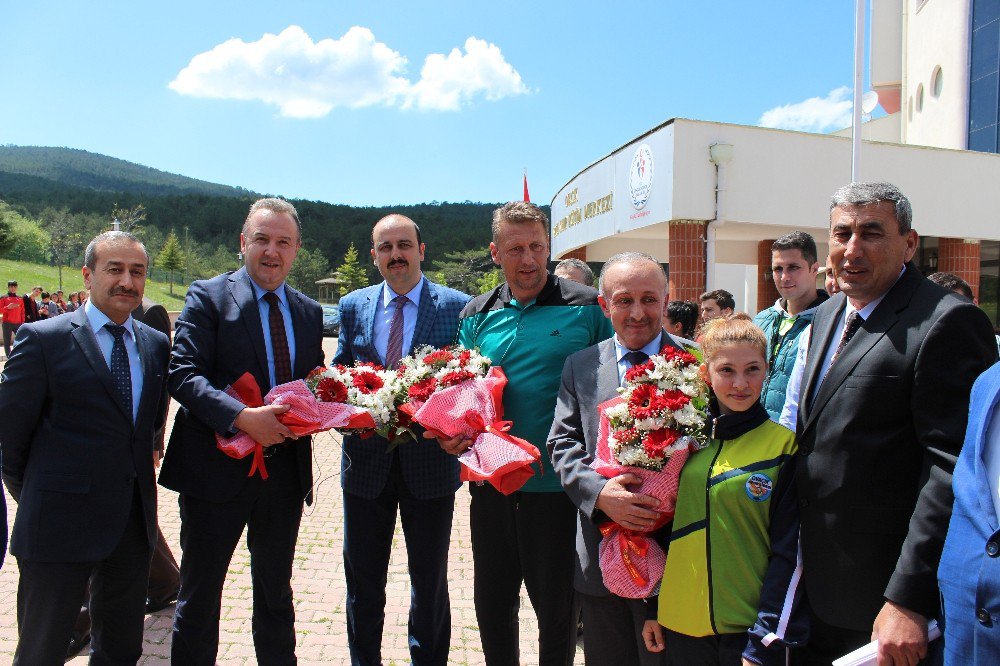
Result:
{"points": [[526, 197]]}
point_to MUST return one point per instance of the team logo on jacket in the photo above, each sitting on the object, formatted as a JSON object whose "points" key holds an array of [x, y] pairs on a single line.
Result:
{"points": [[759, 487]]}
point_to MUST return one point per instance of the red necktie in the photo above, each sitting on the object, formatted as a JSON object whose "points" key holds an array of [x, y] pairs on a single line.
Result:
{"points": [[279, 341]]}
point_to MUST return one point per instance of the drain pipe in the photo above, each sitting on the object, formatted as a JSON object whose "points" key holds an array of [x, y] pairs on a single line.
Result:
{"points": [[720, 154]]}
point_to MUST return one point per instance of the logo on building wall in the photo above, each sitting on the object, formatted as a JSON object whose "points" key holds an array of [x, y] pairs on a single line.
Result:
{"points": [[640, 176]]}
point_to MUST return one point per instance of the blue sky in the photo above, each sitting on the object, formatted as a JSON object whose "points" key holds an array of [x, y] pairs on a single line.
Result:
{"points": [[403, 102]]}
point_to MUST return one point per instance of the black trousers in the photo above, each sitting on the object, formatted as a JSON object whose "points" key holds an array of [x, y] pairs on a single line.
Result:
{"points": [[528, 537], [9, 330], [721, 650], [613, 631], [210, 531], [49, 595], [369, 525]]}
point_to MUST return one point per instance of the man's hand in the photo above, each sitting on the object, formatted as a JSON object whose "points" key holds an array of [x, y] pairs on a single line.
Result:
{"points": [[652, 636], [453, 446], [901, 635], [156, 460], [262, 424], [626, 507]]}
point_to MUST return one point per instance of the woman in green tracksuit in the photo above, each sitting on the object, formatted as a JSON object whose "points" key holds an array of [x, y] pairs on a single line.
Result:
{"points": [[730, 593]]}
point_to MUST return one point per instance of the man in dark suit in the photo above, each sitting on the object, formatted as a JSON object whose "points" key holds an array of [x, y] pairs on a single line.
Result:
{"points": [[882, 415], [80, 400], [633, 290], [380, 324], [246, 321]]}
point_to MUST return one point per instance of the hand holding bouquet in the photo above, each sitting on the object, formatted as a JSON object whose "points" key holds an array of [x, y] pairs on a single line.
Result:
{"points": [[648, 431]]}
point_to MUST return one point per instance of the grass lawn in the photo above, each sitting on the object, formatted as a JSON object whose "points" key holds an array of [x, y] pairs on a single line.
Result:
{"points": [[30, 275]]}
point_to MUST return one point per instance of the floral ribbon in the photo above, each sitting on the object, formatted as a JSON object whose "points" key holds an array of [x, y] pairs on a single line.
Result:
{"points": [[631, 544]]}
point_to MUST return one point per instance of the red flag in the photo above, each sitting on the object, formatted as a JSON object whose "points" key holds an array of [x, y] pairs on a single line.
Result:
{"points": [[526, 197]]}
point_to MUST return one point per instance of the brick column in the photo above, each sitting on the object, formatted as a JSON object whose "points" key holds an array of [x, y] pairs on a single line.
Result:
{"points": [[767, 293], [961, 257], [579, 253], [686, 250]]}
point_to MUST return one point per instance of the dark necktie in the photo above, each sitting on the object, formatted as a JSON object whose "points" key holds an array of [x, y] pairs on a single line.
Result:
{"points": [[279, 341], [854, 322], [394, 350], [121, 373]]}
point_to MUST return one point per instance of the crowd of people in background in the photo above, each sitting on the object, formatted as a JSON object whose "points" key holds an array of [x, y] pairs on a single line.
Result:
{"points": [[813, 521]]}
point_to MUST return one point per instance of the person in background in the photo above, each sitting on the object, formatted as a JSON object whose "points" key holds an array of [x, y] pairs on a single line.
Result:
{"points": [[381, 324], [59, 301], [680, 319], [12, 311], [730, 593], [47, 308], [74, 301], [793, 269], [718, 303], [969, 573], [527, 326], [952, 282], [31, 305], [246, 321], [576, 270], [80, 400], [881, 418], [830, 279], [633, 289]]}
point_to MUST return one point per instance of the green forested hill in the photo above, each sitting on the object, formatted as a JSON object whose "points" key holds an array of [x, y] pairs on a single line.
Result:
{"points": [[70, 166], [37, 181]]}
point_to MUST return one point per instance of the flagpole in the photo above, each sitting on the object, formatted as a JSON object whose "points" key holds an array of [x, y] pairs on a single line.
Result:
{"points": [[859, 62]]}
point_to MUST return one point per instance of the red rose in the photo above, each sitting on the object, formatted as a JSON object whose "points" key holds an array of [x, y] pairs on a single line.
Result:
{"points": [[423, 389], [456, 377], [331, 390], [366, 381]]}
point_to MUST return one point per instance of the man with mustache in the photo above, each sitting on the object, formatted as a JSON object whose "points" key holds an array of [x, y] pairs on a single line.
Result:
{"points": [[248, 320], [80, 400], [881, 420], [380, 324]]}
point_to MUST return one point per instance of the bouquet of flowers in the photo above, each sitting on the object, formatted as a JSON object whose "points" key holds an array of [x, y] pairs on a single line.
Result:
{"points": [[369, 387], [648, 431], [309, 412], [451, 394]]}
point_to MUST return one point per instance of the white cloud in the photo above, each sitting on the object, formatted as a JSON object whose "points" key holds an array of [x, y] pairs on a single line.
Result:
{"points": [[307, 79], [448, 82], [816, 114]]}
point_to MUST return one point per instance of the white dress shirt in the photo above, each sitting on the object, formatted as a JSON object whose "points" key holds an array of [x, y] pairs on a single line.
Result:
{"points": [[385, 311], [106, 342]]}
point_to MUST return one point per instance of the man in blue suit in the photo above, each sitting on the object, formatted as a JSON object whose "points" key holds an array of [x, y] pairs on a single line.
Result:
{"points": [[380, 324], [81, 398], [969, 574], [246, 321]]}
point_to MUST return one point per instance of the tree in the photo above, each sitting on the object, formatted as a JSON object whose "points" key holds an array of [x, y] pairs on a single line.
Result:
{"points": [[129, 218], [171, 258], [64, 235], [463, 269], [351, 273], [489, 281], [307, 268]]}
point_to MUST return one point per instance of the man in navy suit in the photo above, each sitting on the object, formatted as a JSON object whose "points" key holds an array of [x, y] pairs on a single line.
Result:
{"points": [[380, 324], [969, 574], [246, 321], [80, 401]]}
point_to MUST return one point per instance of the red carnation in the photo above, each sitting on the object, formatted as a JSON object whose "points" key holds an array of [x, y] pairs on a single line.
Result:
{"points": [[366, 381], [439, 357], [423, 389], [655, 443], [670, 353], [331, 390], [456, 377], [674, 400], [638, 371], [315, 372], [465, 356], [369, 364]]}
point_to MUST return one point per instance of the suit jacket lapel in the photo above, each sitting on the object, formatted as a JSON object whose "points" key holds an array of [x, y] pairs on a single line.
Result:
{"points": [[978, 422], [426, 314], [298, 310], [366, 318], [87, 341], [607, 371], [243, 295], [149, 382], [821, 338]]}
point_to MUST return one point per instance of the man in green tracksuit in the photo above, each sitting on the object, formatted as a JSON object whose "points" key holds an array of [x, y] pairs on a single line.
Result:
{"points": [[793, 268], [527, 326]]}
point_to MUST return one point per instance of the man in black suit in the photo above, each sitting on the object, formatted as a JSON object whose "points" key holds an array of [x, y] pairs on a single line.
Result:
{"points": [[246, 321], [80, 400], [883, 409]]}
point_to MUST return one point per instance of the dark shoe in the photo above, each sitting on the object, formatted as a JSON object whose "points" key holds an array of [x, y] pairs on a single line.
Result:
{"points": [[156, 605], [77, 644]]}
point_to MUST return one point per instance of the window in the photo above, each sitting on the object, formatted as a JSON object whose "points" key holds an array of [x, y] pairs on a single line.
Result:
{"points": [[920, 98], [937, 82]]}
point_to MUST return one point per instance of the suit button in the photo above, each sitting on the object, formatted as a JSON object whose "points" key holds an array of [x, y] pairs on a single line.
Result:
{"points": [[992, 548], [803, 502], [984, 617]]}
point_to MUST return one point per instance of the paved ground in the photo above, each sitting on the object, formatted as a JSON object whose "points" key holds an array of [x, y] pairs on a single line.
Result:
{"points": [[318, 583]]}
